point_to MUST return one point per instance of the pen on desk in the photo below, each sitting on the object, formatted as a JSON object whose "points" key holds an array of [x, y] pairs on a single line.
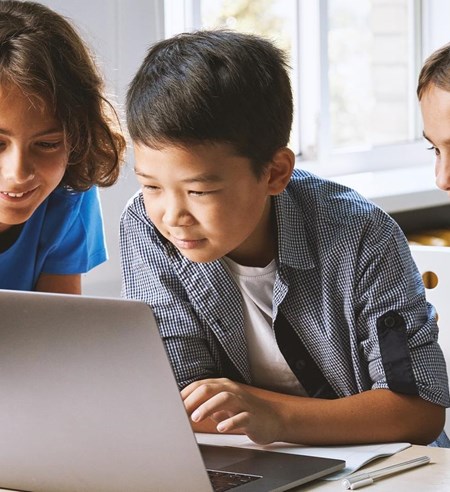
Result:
{"points": [[362, 479]]}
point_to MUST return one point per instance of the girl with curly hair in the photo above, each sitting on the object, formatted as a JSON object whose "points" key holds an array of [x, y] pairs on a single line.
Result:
{"points": [[59, 141]]}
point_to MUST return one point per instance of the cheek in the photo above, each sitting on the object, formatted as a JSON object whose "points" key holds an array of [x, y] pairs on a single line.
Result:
{"points": [[62, 170], [150, 208], [62, 167], [233, 221], [54, 166], [154, 209], [243, 209]]}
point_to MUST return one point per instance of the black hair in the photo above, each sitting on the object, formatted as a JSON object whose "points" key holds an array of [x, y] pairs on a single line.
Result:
{"points": [[213, 87]]}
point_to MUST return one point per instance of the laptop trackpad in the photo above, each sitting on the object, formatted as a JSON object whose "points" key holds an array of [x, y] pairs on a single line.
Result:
{"points": [[267, 463], [221, 457]]}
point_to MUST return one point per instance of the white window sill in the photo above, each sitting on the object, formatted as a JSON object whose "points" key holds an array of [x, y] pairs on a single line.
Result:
{"points": [[397, 190]]}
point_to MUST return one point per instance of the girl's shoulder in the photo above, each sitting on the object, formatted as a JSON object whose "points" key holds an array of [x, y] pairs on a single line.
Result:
{"points": [[66, 199]]}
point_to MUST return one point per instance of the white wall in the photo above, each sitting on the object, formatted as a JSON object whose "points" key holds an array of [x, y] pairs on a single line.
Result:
{"points": [[436, 16], [119, 32]]}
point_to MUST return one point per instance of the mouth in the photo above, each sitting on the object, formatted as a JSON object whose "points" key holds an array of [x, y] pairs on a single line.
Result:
{"points": [[17, 195], [14, 195], [186, 243]]}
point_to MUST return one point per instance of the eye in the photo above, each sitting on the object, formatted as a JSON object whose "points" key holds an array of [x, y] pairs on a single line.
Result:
{"points": [[435, 149], [49, 145], [199, 193], [150, 188], [202, 193]]}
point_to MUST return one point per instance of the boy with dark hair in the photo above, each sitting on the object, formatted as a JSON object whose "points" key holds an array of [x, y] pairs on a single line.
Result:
{"points": [[433, 91], [289, 305]]}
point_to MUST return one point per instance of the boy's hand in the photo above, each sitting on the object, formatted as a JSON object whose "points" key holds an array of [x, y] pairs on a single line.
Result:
{"points": [[234, 407], [221, 405]]}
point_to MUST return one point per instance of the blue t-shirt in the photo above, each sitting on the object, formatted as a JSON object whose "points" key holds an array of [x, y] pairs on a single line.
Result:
{"points": [[64, 236]]}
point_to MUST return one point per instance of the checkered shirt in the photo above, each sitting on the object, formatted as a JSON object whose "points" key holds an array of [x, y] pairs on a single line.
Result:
{"points": [[342, 264]]}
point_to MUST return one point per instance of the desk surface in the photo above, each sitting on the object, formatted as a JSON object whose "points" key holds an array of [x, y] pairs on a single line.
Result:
{"points": [[432, 477]]}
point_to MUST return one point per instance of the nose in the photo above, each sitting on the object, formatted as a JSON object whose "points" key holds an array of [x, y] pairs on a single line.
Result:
{"points": [[443, 172], [16, 167], [175, 212]]}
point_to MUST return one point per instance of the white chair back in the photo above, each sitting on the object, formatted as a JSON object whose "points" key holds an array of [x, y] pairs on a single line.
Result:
{"points": [[433, 263]]}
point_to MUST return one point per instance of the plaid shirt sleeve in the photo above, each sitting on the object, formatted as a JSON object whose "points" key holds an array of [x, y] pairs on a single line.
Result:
{"points": [[355, 296], [344, 269], [148, 276]]}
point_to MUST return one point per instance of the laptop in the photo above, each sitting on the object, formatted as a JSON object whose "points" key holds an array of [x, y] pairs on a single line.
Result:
{"points": [[89, 403]]}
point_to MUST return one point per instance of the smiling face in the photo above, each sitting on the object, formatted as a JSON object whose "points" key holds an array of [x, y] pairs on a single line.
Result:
{"points": [[208, 203], [435, 107], [33, 156]]}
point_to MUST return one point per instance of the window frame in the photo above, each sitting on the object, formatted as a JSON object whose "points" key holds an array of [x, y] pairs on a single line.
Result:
{"points": [[429, 28]]}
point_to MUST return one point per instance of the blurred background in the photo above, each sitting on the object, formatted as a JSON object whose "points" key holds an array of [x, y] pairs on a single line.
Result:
{"points": [[354, 67]]}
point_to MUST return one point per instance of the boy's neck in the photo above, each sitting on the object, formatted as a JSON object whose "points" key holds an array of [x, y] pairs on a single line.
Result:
{"points": [[262, 247]]}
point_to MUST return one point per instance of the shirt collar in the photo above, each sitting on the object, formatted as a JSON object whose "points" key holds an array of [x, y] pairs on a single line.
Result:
{"points": [[293, 248]]}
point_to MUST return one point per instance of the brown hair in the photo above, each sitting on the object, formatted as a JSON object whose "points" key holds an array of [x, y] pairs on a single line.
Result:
{"points": [[435, 70], [42, 54]]}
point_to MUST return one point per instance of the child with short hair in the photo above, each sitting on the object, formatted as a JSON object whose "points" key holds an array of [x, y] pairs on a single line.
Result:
{"points": [[59, 138], [433, 91], [289, 305]]}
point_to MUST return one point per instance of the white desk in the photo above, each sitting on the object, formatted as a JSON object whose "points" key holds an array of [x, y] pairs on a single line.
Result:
{"points": [[433, 477]]}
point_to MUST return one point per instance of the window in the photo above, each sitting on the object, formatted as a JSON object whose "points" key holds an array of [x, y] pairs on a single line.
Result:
{"points": [[371, 72], [354, 71]]}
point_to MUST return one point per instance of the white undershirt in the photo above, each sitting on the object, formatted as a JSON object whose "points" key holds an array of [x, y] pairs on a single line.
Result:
{"points": [[268, 367]]}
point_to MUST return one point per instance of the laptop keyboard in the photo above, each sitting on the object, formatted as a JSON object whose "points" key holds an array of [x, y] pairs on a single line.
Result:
{"points": [[222, 481]]}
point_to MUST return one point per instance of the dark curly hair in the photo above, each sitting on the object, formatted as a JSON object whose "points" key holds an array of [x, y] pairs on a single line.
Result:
{"points": [[43, 55]]}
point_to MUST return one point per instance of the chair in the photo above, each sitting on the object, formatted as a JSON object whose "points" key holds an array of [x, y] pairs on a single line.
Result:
{"points": [[433, 263]]}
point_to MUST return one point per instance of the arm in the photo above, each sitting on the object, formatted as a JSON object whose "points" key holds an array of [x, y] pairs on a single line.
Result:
{"points": [[372, 416], [148, 275], [386, 281], [62, 284], [74, 240]]}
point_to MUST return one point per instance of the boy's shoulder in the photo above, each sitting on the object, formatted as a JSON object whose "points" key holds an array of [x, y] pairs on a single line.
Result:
{"points": [[134, 220], [326, 200], [134, 209], [315, 216]]}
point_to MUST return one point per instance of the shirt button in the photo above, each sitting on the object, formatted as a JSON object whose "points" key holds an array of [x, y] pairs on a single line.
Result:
{"points": [[300, 365], [389, 322]]}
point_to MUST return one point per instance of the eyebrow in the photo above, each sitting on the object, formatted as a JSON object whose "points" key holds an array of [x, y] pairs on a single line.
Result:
{"points": [[49, 131], [200, 178]]}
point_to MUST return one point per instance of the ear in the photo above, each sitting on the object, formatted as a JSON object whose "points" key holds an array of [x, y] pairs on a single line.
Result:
{"points": [[280, 170]]}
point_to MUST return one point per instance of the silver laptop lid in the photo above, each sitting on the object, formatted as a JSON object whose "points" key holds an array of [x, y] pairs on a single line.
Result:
{"points": [[81, 381]]}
